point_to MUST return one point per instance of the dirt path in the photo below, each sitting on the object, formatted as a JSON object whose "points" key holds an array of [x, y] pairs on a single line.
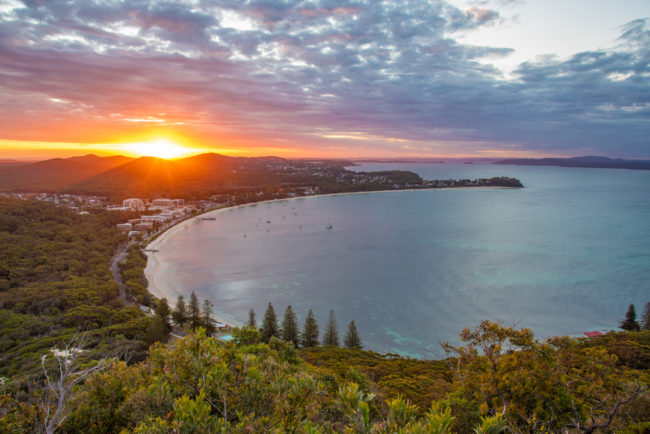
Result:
{"points": [[118, 257]]}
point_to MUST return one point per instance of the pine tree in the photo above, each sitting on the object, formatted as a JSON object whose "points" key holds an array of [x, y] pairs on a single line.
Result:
{"points": [[195, 312], [352, 339], [157, 331], [270, 325], [629, 323], [251, 319], [179, 315], [206, 320], [290, 327], [645, 318], [331, 336], [163, 311], [310, 331]]}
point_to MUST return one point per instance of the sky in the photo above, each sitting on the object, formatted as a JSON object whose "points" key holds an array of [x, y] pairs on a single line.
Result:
{"points": [[326, 78]]}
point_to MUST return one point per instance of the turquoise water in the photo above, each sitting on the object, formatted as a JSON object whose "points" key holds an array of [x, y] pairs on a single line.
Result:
{"points": [[565, 255]]}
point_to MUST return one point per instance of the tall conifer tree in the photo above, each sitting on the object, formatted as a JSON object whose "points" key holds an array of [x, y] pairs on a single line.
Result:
{"points": [[207, 320], [163, 311], [195, 312], [290, 327], [629, 323], [251, 319], [645, 317], [270, 325], [310, 331], [179, 315], [352, 339], [331, 335]]}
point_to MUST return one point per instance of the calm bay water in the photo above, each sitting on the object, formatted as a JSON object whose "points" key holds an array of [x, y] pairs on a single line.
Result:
{"points": [[565, 255]]}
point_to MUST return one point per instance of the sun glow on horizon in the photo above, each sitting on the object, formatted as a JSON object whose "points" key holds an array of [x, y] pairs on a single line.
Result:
{"points": [[160, 148]]}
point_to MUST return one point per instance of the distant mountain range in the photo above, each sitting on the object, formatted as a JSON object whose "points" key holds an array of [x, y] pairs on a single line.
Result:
{"points": [[119, 177], [586, 161]]}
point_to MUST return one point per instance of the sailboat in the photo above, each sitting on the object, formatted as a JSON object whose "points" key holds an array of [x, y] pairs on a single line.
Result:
{"points": [[329, 226]]}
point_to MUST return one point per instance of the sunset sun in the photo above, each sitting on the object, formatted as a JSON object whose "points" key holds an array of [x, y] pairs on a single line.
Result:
{"points": [[160, 148]]}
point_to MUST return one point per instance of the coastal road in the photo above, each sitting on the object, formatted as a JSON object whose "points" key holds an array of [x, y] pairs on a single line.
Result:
{"points": [[118, 257]]}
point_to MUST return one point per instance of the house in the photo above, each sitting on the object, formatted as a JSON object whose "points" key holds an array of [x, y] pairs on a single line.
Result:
{"points": [[143, 226], [162, 204], [125, 227], [594, 334], [133, 204]]}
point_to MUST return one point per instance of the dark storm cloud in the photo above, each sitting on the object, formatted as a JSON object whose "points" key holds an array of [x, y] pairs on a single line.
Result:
{"points": [[297, 69]]}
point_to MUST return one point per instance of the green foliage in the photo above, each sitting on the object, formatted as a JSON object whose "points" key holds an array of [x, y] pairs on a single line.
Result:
{"points": [[246, 335], [629, 323], [389, 376], [491, 425], [180, 315], [632, 349], [194, 312], [270, 327], [543, 386], [132, 273], [290, 326], [645, 317], [331, 336], [163, 312], [207, 321], [55, 281], [355, 406], [438, 420], [309, 337], [200, 383], [251, 319], [352, 339]]}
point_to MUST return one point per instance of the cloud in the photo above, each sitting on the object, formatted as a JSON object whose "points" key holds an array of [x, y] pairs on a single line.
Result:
{"points": [[262, 71]]}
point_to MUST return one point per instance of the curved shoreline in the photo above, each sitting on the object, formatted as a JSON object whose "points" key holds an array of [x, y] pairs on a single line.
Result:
{"points": [[151, 269]]}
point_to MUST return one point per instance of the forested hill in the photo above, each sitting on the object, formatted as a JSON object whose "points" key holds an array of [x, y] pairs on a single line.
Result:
{"points": [[198, 176], [206, 175], [55, 282]]}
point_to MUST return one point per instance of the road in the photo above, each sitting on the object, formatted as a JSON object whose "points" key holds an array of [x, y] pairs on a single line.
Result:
{"points": [[118, 257]]}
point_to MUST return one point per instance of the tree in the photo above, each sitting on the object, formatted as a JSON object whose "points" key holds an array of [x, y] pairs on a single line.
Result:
{"points": [[207, 321], [157, 332], [179, 315], [195, 312], [352, 339], [547, 386], [629, 323], [645, 317], [290, 327], [310, 331], [163, 311], [70, 373], [251, 319], [270, 325], [331, 336]]}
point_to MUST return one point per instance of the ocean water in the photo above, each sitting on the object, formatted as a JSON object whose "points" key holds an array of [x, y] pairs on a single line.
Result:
{"points": [[565, 255]]}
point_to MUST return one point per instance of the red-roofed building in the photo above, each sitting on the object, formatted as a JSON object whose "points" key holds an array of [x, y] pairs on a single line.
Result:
{"points": [[594, 333]]}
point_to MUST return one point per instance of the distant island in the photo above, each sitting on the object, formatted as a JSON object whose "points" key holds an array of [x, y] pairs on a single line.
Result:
{"points": [[586, 161]]}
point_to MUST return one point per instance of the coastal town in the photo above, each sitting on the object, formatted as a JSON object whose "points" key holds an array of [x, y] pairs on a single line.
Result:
{"points": [[146, 217]]}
